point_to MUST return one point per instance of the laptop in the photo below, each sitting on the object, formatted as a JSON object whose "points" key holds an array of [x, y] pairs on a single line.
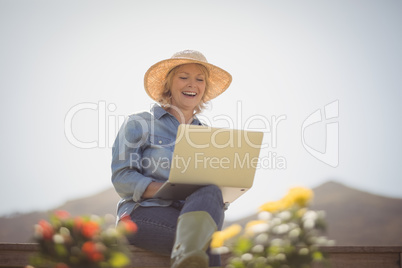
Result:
{"points": [[204, 155]]}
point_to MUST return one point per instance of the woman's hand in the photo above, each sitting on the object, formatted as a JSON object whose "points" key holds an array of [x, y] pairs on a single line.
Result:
{"points": [[152, 188]]}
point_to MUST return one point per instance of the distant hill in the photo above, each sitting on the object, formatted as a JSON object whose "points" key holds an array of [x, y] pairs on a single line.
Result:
{"points": [[354, 217], [359, 218]]}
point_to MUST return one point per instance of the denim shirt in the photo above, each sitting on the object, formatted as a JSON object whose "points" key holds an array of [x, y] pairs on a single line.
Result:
{"points": [[141, 154]]}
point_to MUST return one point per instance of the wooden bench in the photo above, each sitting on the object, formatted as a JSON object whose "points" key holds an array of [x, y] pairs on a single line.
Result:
{"points": [[17, 256], [364, 256]]}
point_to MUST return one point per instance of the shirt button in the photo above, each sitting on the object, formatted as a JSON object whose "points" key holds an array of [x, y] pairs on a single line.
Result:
{"points": [[160, 142]]}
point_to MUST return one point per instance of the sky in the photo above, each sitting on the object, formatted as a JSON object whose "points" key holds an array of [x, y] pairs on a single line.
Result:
{"points": [[321, 79]]}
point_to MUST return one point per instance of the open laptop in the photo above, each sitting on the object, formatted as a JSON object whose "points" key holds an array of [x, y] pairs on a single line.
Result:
{"points": [[204, 155]]}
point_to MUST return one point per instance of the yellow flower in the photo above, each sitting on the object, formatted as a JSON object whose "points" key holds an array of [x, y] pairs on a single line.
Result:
{"points": [[301, 212], [253, 223], [218, 238], [300, 196], [255, 226], [287, 202], [272, 206]]}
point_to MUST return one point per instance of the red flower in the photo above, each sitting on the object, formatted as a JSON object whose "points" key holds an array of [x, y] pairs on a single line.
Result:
{"points": [[47, 229], [125, 218], [78, 222], [90, 228], [128, 225], [90, 250], [62, 214], [61, 265]]}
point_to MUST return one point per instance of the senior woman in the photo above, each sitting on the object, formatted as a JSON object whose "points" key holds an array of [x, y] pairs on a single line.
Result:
{"points": [[141, 160]]}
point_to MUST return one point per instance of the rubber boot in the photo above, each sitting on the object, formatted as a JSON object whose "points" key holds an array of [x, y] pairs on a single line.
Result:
{"points": [[193, 235]]}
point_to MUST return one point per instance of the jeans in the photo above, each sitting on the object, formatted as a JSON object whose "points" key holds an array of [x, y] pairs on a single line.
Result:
{"points": [[157, 225]]}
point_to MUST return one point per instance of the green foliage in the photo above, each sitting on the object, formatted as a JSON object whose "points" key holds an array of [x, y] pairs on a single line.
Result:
{"points": [[87, 241], [286, 235]]}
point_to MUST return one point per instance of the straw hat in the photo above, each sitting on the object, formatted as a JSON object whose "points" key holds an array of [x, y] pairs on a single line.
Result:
{"points": [[219, 79]]}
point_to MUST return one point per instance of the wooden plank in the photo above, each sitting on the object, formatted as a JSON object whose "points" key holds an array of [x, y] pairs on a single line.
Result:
{"points": [[362, 249], [17, 256], [400, 260], [19, 246], [360, 260], [146, 259]]}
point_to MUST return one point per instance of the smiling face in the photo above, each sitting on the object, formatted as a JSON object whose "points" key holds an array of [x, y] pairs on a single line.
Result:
{"points": [[188, 87]]}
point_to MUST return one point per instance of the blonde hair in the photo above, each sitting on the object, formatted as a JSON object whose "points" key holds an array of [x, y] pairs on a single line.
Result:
{"points": [[165, 97]]}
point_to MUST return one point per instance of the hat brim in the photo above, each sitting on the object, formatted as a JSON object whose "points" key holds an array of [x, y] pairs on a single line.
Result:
{"points": [[219, 79]]}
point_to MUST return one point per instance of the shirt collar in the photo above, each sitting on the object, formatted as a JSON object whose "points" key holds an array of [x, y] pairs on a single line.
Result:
{"points": [[158, 112]]}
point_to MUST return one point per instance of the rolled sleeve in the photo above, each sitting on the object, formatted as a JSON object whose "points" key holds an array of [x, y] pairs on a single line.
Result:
{"points": [[140, 188], [127, 177]]}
